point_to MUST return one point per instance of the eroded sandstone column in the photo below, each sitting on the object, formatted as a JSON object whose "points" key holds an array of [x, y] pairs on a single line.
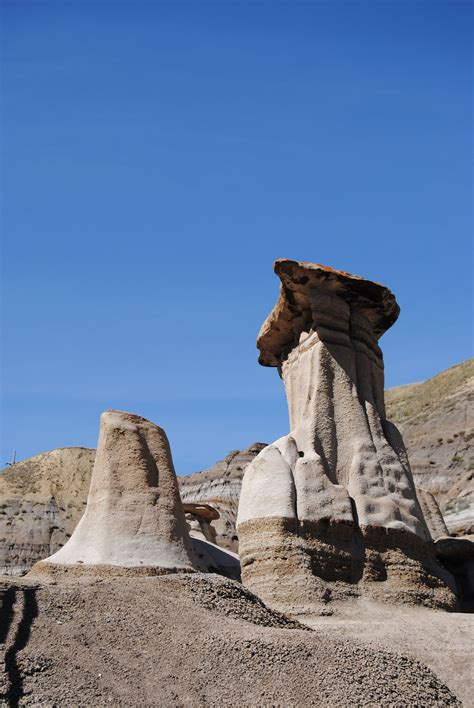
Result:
{"points": [[134, 520], [330, 510]]}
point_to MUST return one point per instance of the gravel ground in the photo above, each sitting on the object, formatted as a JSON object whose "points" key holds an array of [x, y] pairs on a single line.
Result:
{"points": [[443, 641], [229, 598], [187, 640]]}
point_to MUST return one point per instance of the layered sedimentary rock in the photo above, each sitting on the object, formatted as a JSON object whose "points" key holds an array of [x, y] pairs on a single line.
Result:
{"points": [[455, 554], [43, 498], [330, 510], [220, 487], [134, 520], [41, 502]]}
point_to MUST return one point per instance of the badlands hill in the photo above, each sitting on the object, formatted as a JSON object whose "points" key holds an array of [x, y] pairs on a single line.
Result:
{"points": [[41, 502], [43, 498], [436, 419]]}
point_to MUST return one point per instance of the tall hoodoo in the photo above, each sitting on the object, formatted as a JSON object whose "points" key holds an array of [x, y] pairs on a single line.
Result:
{"points": [[331, 509], [134, 520]]}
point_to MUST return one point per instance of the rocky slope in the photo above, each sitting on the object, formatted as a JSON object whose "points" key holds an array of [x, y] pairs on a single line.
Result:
{"points": [[194, 640], [436, 419]]}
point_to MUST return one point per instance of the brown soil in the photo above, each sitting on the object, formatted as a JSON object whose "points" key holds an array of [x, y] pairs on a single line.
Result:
{"points": [[188, 640]]}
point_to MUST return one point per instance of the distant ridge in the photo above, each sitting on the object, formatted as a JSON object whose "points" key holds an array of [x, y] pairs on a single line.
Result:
{"points": [[436, 419]]}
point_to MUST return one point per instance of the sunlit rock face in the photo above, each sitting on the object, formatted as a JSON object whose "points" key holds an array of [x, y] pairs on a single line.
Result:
{"points": [[330, 510], [134, 520]]}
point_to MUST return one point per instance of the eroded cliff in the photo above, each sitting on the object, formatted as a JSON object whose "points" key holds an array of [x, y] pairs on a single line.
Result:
{"points": [[436, 419]]}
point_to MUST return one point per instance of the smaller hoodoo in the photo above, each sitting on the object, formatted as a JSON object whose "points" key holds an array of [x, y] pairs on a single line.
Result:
{"points": [[134, 520]]}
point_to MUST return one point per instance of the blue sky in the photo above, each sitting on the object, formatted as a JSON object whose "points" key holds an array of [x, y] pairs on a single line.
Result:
{"points": [[159, 156]]}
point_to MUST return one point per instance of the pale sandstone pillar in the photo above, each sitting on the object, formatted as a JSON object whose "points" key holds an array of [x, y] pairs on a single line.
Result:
{"points": [[330, 510], [134, 520]]}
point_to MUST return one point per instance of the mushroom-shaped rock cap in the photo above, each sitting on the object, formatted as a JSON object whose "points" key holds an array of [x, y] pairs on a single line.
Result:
{"points": [[290, 315], [204, 511]]}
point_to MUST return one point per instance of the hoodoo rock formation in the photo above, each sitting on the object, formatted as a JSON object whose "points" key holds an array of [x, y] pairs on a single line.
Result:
{"points": [[134, 521], [220, 487], [199, 518], [330, 510]]}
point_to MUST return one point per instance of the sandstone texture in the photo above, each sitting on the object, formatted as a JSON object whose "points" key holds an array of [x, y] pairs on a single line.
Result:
{"points": [[134, 518], [200, 640], [436, 419], [49, 492], [330, 510]]}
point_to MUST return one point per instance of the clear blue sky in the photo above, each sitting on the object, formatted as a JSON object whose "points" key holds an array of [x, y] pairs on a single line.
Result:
{"points": [[159, 156]]}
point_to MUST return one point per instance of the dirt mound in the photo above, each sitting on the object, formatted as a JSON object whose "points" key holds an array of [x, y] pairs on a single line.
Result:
{"points": [[155, 641], [229, 598], [443, 641]]}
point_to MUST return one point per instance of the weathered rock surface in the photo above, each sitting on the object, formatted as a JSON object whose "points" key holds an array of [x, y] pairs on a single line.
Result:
{"points": [[436, 419], [331, 510], [457, 555], [43, 498], [134, 518]]}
